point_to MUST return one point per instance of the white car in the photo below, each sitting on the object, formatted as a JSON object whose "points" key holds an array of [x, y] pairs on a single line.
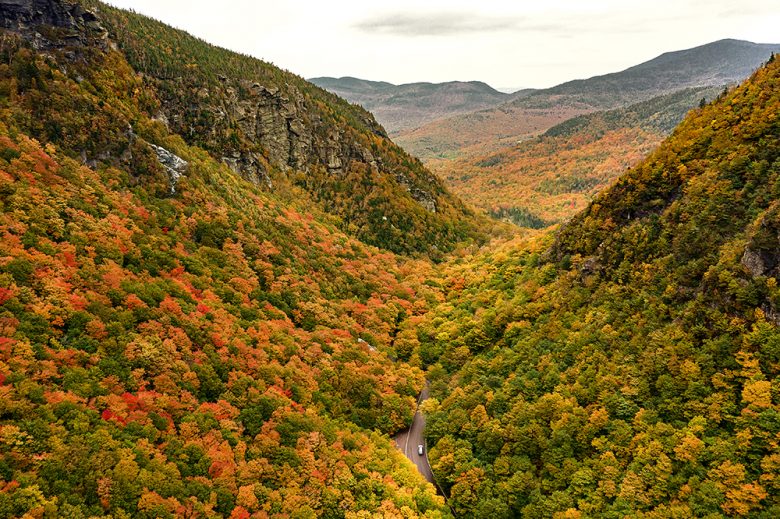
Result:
{"points": [[420, 450]]}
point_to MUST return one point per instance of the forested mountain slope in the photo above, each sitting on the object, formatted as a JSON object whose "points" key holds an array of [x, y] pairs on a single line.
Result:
{"points": [[627, 366], [176, 340], [548, 179], [268, 125]]}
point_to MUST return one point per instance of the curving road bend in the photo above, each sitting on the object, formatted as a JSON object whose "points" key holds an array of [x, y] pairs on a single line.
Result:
{"points": [[407, 441]]}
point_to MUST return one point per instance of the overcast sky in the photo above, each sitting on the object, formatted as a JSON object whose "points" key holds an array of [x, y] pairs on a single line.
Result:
{"points": [[516, 43]]}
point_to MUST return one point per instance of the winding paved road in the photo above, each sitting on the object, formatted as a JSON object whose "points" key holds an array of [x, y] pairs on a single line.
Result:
{"points": [[407, 441]]}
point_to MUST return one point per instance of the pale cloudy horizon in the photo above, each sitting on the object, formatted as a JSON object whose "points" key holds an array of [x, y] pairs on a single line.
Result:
{"points": [[505, 44]]}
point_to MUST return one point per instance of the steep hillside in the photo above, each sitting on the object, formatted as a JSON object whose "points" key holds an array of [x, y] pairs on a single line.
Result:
{"points": [[404, 107], [273, 127], [718, 63], [629, 365], [547, 179], [175, 340]]}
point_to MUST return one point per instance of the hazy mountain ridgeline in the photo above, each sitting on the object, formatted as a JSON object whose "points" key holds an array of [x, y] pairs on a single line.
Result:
{"points": [[547, 179], [717, 63], [403, 107], [532, 113], [627, 365], [176, 339]]}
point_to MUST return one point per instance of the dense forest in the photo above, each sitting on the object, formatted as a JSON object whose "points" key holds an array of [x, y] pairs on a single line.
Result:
{"points": [[628, 363], [193, 325], [188, 345]]}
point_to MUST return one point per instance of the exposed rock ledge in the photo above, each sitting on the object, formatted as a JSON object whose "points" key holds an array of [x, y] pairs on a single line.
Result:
{"points": [[26, 17], [173, 164]]}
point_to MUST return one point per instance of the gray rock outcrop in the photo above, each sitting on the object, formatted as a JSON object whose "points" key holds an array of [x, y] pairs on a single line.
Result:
{"points": [[26, 16], [173, 164], [281, 123], [282, 126]]}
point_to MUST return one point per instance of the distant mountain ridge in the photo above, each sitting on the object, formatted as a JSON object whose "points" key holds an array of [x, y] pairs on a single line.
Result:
{"points": [[400, 107], [531, 113], [721, 62]]}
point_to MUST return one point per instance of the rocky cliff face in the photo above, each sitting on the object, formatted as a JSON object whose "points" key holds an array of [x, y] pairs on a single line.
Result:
{"points": [[762, 255], [255, 124], [50, 23]]}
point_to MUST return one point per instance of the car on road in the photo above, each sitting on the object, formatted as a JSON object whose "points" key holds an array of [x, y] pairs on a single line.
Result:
{"points": [[420, 450]]}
